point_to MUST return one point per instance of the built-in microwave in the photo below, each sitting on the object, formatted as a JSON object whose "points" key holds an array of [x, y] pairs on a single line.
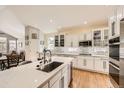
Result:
{"points": [[114, 51], [85, 43]]}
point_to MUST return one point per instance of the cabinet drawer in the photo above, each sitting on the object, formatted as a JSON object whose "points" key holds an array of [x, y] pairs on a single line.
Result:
{"points": [[55, 78]]}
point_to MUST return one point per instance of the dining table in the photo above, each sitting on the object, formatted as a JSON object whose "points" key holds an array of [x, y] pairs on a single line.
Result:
{"points": [[3, 59]]}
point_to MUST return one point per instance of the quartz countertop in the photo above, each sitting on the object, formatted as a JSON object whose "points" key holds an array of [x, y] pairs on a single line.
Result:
{"points": [[26, 76]]}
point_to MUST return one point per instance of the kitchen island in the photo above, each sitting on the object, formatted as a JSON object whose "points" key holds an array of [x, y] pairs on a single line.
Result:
{"points": [[26, 76]]}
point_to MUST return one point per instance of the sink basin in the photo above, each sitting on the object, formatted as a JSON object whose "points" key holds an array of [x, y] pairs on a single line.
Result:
{"points": [[50, 67]]}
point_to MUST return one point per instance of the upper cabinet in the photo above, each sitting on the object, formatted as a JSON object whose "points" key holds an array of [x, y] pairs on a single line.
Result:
{"points": [[113, 27], [88, 35], [84, 36], [62, 40], [100, 37], [114, 22], [56, 41], [71, 40], [59, 40]]}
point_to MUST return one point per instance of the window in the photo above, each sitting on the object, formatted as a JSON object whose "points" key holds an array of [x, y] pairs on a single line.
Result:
{"points": [[3, 45], [51, 43], [12, 45]]}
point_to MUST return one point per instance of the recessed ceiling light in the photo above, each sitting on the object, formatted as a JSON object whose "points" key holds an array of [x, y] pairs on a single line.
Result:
{"points": [[85, 22]]}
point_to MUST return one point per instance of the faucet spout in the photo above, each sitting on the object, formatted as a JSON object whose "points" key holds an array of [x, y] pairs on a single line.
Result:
{"points": [[46, 51]]}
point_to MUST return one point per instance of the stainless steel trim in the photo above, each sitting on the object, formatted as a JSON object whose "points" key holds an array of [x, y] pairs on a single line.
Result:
{"points": [[118, 43], [116, 62], [114, 66]]}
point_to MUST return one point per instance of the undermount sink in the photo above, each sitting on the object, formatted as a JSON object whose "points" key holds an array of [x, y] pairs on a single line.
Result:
{"points": [[50, 67]]}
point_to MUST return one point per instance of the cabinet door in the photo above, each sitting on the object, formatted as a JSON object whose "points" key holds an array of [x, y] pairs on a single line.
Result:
{"points": [[81, 36], [56, 84], [97, 37], [105, 37], [82, 63], [75, 63], [90, 63], [106, 66], [75, 40], [86, 63], [66, 79], [67, 40], [99, 65], [89, 35]]}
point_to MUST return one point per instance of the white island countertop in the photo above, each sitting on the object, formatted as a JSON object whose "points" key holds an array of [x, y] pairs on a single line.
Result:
{"points": [[26, 76]]}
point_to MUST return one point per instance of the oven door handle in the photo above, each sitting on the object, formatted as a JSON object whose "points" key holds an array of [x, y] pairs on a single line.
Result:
{"points": [[114, 66]]}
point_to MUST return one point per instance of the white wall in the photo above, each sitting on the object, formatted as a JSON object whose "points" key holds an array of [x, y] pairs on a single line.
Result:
{"points": [[10, 24], [41, 38]]}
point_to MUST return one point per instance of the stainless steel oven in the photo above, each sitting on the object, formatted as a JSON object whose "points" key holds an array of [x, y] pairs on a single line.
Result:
{"points": [[114, 72], [114, 57]]}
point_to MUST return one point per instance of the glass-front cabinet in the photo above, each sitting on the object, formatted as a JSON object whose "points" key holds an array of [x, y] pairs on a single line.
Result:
{"points": [[97, 37], [100, 37]]}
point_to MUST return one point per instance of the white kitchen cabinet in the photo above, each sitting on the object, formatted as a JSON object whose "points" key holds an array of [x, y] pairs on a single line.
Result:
{"points": [[55, 78], [98, 65], [100, 37], [66, 79], [75, 41], [101, 65], [114, 28], [69, 74], [71, 40], [82, 64], [75, 62], [81, 36], [114, 22], [106, 65], [61, 79], [90, 63], [56, 84], [67, 40], [88, 35], [85, 63]]}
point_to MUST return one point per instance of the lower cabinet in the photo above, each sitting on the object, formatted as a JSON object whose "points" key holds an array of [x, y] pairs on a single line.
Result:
{"points": [[56, 84], [75, 62], [102, 65], [106, 65], [97, 64], [60, 80], [85, 62]]}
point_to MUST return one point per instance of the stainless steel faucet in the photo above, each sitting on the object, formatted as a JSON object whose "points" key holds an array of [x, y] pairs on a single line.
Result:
{"points": [[44, 60], [45, 51]]}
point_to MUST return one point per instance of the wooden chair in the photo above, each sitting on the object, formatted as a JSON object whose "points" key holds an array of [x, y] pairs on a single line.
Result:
{"points": [[22, 56], [13, 59]]}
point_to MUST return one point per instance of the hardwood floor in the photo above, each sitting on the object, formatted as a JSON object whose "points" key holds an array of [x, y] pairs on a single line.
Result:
{"points": [[85, 79]]}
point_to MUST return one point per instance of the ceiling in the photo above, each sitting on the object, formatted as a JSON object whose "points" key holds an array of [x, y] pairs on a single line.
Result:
{"points": [[50, 18]]}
